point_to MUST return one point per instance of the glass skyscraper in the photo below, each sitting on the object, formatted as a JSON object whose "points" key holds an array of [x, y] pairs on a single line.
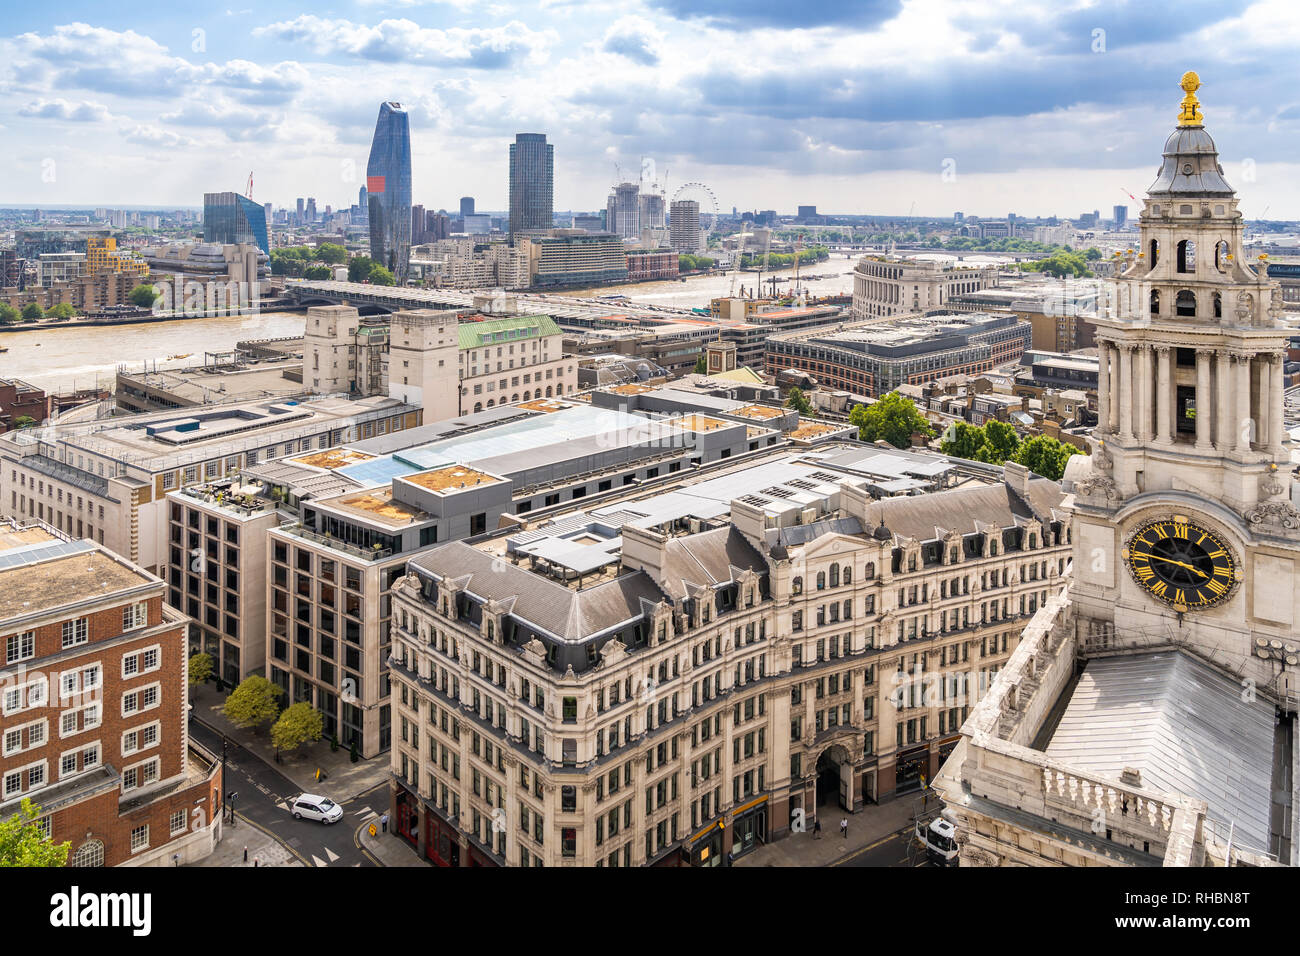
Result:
{"points": [[532, 169], [388, 191], [232, 218]]}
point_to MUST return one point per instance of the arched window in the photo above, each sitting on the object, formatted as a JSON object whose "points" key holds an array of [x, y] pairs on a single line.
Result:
{"points": [[1155, 301], [993, 549], [848, 574], [1218, 306], [1186, 303], [835, 575], [491, 402], [871, 570], [528, 396], [514, 397], [1186, 256], [821, 580], [478, 406], [1221, 256], [548, 391], [1154, 254], [90, 853], [796, 586]]}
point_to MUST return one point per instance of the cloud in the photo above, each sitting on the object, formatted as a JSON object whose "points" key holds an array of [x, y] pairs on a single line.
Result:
{"points": [[487, 48], [61, 109], [635, 38], [155, 136], [753, 14]]}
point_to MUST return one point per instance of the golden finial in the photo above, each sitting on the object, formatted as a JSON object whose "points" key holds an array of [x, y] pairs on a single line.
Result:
{"points": [[1190, 114]]}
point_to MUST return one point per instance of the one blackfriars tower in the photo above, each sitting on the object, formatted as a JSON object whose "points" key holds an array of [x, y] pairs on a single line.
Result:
{"points": [[532, 178], [388, 191]]}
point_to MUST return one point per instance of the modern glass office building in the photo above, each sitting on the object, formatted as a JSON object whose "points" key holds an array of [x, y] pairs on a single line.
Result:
{"points": [[532, 169], [231, 218], [388, 191]]}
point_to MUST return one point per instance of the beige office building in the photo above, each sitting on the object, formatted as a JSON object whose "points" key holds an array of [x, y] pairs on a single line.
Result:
{"points": [[884, 286]]}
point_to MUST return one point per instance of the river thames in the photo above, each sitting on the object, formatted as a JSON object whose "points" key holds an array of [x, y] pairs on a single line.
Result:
{"points": [[61, 359]]}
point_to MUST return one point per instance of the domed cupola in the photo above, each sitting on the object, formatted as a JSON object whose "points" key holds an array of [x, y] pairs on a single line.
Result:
{"points": [[1191, 160]]}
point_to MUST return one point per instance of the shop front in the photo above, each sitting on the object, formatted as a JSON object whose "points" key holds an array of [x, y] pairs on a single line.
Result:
{"points": [[406, 817], [443, 846], [910, 767], [706, 847], [749, 827]]}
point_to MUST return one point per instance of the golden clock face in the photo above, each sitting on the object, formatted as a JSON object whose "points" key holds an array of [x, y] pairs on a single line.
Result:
{"points": [[1181, 563]]}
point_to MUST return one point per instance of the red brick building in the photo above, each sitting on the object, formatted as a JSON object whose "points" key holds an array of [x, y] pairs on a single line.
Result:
{"points": [[93, 705], [18, 399]]}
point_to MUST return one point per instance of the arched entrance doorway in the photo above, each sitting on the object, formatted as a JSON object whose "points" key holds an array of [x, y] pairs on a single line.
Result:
{"points": [[835, 778]]}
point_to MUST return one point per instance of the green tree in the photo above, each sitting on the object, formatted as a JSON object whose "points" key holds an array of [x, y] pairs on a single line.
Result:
{"points": [[380, 276], [318, 272], [200, 668], [1045, 455], [23, 841], [359, 268], [8, 314], [964, 442], [331, 253], [254, 702], [62, 310], [1000, 442], [299, 724], [32, 312], [798, 401], [701, 365], [24, 421], [144, 296], [894, 418]]}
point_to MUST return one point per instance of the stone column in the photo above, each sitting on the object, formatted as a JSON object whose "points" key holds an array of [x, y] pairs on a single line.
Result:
{"points": [[1103, 386], [1276, 435], [1203, 400], [1163, 394], [1126, 392], [1262, 383], [1223, 408], [1241, 401]]}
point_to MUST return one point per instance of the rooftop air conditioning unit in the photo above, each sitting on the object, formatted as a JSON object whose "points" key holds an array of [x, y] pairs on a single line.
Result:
{"points": [[808, 516]]}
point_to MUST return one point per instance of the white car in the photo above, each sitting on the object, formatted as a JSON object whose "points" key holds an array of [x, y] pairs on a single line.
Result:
{"points": [[311, 806]]}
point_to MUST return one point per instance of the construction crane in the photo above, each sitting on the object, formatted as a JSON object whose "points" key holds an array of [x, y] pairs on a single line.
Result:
{"points": [[248, 193]]}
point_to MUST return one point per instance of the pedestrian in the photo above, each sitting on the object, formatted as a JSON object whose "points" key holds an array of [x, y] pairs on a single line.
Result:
{"points": [[844, 827], [245, 854], [383, 823], [817, 829], [255, 862]]}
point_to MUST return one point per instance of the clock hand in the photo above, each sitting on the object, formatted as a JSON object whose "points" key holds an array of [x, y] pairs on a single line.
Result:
{"points": [[1156, 557]]}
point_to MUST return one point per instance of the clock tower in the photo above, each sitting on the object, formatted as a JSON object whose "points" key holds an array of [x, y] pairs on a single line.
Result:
{"points": [[1185, 532]]}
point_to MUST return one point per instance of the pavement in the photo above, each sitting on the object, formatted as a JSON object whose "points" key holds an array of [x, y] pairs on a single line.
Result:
{"points": [[878, 835], [250, 845], [388, 848], [343, 781]]}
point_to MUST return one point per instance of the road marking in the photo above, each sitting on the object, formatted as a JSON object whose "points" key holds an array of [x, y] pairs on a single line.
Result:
{"points": [[333, 857], [362, 812], [858, 853], [263, 789], [282, 805], [318, 861]]}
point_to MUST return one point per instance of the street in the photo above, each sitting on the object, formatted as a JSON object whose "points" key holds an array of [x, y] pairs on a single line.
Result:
{"points": [[262, 801], [897, 849]]}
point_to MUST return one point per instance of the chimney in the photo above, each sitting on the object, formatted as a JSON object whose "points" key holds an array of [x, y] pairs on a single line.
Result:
{"points": [[748, 520], [644, 550], [1017, 478]]}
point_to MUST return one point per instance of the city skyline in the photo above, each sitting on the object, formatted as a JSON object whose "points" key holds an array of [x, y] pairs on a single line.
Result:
{"points": [[984, 109]]}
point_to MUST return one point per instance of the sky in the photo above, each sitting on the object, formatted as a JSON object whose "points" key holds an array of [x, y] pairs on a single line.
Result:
{"points": [[887, 107]]}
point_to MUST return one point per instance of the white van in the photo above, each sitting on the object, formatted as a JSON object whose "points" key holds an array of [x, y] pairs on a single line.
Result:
{"points": [[311, 806]]}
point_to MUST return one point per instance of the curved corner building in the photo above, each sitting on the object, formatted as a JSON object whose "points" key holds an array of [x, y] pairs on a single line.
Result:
{"points": [[388, 191]]}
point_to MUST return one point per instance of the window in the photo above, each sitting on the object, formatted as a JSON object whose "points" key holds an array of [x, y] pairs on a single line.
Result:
{"points": [[90, 853], [177, 822], [74, 632], [142, 661], [19, 647], [143, 699], [135, 615], [140, 838]]}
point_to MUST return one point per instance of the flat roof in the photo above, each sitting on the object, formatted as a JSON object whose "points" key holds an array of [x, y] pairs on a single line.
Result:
{"points": [[43, 585], [764, 412], [17, 537], [451, 478], [378, 503], [699, 423], [814, 429], [332, 458]]}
